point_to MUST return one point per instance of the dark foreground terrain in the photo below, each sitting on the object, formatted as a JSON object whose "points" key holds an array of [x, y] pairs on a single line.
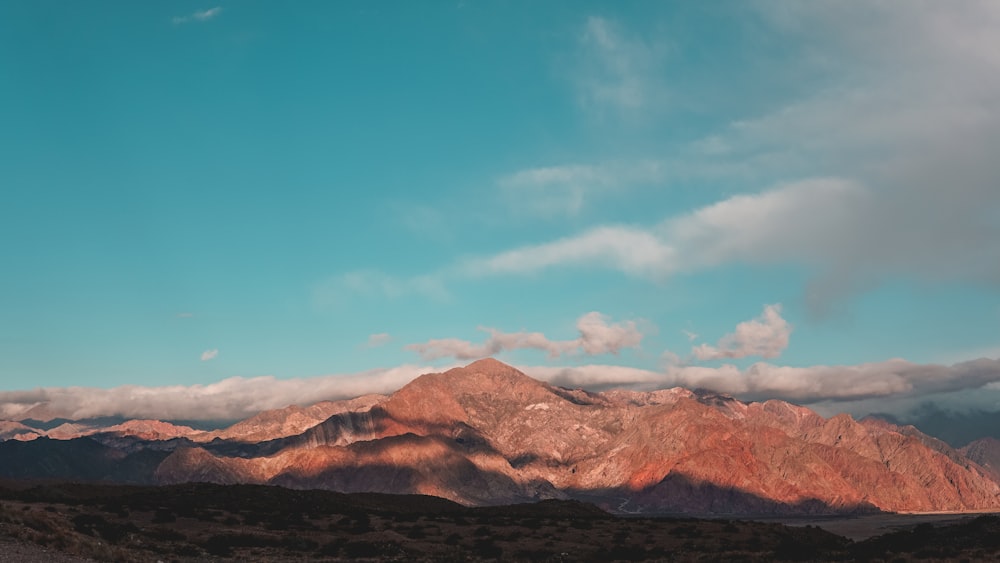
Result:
{"points": [[198, 522]]}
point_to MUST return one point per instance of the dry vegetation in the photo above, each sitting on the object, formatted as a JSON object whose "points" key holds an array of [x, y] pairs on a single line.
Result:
{"points": [[253, 523]]}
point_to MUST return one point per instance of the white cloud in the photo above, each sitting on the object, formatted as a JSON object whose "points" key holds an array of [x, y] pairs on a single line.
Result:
{"points": [[863, 388], [566, 189], [895, 377], [373, 283], [597, 336], [380, 339], [884, 169], [229, 399], [198, 16], [208, 355], [631, 250], [765, 337], [616, 70], [595, 377]]}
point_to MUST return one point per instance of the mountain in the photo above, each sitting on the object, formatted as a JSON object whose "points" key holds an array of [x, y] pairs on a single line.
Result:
{"points": [[288, 421], [488, 434], [10, 430], [985, 452]]}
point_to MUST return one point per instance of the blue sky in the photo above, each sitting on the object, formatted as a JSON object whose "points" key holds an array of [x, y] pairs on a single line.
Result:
{"points": [[193, 192]]}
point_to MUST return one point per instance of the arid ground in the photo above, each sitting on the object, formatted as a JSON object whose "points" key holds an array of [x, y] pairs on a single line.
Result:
{"points": [[260, 523]]}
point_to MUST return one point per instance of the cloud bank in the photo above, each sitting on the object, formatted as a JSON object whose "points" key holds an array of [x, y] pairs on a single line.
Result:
{"points": [[230, 399], [891, 386]]}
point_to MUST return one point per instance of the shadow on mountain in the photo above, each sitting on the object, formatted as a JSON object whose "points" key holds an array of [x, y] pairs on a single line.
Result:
{"points": [[678, 494], [80, 459], [344, 429]]}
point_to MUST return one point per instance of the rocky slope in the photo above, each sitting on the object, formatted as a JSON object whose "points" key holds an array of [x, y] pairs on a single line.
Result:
{"points": [[985, 452], [289, 421], [10, 430], [487, 434]]}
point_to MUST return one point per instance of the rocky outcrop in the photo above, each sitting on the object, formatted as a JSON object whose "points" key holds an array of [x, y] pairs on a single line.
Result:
{"points": [[985, 452], [289, 421], [10, 430]]}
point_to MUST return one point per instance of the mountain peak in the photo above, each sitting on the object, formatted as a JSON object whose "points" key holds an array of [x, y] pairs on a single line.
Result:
{"points": [[490, 366]]}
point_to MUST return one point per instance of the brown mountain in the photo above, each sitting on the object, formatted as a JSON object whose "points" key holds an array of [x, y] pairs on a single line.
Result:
{"points": [[488, 434], [289, 421], [985, 452], [10, 430]]}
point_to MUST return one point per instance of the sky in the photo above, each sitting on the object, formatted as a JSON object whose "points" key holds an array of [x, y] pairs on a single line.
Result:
{"points": [[207, 209]]}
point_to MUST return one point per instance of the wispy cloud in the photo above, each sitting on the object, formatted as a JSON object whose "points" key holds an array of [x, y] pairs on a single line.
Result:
{"points": [[764, 337], [564, 190], [209, 355], [372, 283], [597, 336], [616, 70], [635, 251], [198, 16], [380, 339]]}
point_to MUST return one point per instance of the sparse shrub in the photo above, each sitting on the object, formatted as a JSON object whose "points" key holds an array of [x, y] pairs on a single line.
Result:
{"points": [[298, 543], [332, 549], [362, 523], [94, 525], [360, 548], [163, 516], [187, 550], [164, 534], [486, 548]]}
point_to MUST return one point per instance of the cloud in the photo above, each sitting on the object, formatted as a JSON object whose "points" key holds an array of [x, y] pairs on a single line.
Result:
{"points": [[595, 377], [208, 355], [616, 70], [597, 336], [765, 337], [184, 315], [691, 336], [890, 386], [373, 283], [634, 251], [380, 339], [198, 16], [229, 399], [564, 190], [885, 172], [895, 377]]}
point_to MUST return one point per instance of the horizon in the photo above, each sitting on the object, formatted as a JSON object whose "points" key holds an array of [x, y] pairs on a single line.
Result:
{"points": [[217, 207]]}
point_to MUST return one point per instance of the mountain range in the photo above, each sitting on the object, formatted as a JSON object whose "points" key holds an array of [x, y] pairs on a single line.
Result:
{"points": [[488, 434]]}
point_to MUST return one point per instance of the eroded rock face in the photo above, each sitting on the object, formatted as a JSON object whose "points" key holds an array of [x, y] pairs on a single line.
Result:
{"points": [[289, 421], [10, 430], [487, 434], [985, 452]]}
